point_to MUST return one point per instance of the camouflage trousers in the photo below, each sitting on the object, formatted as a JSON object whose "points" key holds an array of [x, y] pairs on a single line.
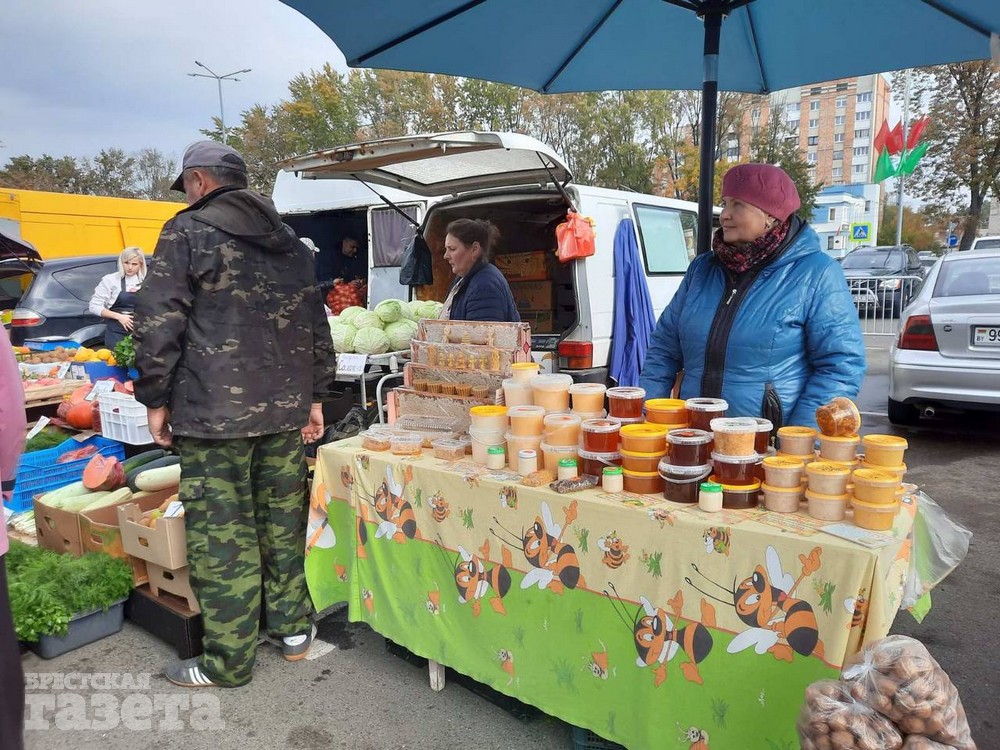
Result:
{"points": [[245, 507]]}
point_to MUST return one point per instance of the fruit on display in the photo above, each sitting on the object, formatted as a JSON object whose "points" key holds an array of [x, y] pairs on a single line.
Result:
{"points": [[389, 327]]}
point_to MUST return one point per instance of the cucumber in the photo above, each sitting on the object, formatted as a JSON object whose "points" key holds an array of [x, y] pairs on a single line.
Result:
{"points": [[160, 478], [142, 459], [158, 463], [121, 495]]}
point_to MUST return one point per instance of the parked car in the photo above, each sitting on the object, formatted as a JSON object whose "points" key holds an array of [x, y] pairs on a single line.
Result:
{"points": [[986, 243], [885, 277], [55, 303], [19, 261], [948, 350], [927, 260]]}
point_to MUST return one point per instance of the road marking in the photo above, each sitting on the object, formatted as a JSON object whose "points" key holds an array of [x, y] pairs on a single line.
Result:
{"points": [[319, 648], [873, 414]]}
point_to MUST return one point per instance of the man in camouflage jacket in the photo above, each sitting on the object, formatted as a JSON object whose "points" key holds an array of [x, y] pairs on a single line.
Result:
{"points": [[234, 356]]}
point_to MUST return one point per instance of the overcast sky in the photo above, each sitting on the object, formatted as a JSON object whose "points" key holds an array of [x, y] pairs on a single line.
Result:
{"points": [[82, 76]]}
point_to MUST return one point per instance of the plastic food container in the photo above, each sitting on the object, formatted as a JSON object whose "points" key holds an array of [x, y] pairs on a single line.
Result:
{"points": [[626, 402], [517, 393], [644, 438], [689, 447], [734, 436], [873, 516], [783, 472], [839, 418], [376, 440], [518, 443], [762, 440], [899, 471], [448, 449], [635, 461], [736, 470], [567, 469], [552, 392], [838, 448], [739, 496], [496, 457], [406, 443], [523, 372], [595, 463], [562, 429], [710, 497], [827, 507], [828, 478], [585, 415], [884, 450], [782, 499], [527, 462], [701, 412], [482, 441], [875, 486], [612, 479], [670, 411], [643, 482], [489, 418], [681, 482], [587, 397], [806, 459], [552, 453], [798, 441], [600, 435], [526, 420]]}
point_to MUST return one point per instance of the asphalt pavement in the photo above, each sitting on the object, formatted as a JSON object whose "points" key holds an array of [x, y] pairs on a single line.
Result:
{"points": [[357, 695]]}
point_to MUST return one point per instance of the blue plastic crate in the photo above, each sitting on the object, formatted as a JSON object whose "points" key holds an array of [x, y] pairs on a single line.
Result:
{"points": [[50, 343], [39, 472], [584, 739]]}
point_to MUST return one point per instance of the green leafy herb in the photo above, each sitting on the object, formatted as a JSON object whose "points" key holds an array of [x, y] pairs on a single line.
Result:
{"points": [[125, 352], [47, 589], [49, 437]]}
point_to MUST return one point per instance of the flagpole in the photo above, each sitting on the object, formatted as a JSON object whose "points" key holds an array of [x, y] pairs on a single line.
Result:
{"points": [[900, 176]]}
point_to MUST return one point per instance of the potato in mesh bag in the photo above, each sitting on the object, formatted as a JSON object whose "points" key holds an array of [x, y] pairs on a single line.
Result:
{"points": [[831, 719], [919, 742], [899, 678]]}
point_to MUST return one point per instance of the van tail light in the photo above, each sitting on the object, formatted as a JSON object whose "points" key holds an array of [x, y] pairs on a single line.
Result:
{"points": [[918, 333], [22, 317], [578, 355]]}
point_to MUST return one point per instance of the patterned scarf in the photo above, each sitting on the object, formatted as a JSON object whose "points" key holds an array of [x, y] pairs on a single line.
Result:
{"points": [[744, 256]]}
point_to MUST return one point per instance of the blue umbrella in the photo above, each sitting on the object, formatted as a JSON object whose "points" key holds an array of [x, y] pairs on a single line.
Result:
{"points": [[557, 46], [633, 310]]}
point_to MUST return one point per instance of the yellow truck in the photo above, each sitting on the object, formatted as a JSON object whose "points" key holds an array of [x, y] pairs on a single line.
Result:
{"points": [[63, 225]]}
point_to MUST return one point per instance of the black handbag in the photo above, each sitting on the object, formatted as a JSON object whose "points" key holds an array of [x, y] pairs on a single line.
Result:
{"points": [[416, 268]]}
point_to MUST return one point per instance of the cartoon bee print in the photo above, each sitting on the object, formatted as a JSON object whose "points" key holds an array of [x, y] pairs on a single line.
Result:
{"points": [[341, 572], [857, 607], [716, 540], [398, 521], [614, 549], [598, 664], [554, 562], [508, 497], [506, 659], [474, 580], [368, 599], [434, 602], [697, 739], [439, 507], [662, 516], [346, 477], [363, 460]]}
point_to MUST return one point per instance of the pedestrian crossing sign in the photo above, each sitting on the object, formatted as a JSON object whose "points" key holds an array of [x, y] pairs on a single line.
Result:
{"points": [[860, 232]]}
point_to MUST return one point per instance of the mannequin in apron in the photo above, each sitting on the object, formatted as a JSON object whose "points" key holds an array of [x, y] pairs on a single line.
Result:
{"points": [[114, 298]]}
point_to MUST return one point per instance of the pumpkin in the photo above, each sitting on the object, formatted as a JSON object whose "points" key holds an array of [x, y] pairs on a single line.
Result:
{"points": [[103, 473], [80, 415]]}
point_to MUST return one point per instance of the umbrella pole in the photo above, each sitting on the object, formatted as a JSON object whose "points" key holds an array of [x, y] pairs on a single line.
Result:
{"points": [[709, 115]]}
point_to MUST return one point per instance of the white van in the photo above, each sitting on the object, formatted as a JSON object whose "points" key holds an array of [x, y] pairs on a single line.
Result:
{"points": [[511, 180]]}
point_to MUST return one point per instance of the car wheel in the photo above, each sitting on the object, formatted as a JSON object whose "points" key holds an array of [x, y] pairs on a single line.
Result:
{"points": [[902, 414]]}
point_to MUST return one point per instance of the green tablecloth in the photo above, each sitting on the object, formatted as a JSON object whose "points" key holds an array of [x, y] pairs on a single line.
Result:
{"points": [[631, 616]]}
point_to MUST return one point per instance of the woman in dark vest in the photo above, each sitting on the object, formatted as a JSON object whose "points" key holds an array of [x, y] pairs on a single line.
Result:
{"points": [[480, 292], [114, 297]]}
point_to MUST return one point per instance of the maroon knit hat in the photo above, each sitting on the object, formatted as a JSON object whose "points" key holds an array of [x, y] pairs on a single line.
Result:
{"points": [[767, 187]]}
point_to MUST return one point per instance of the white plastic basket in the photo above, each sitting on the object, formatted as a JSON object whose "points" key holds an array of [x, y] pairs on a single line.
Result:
{"points": [[124, 419]]}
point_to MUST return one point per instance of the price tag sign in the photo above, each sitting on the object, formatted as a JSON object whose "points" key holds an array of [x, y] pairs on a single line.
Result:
{"points": [[100, 387], [351, 364], [63, 369], [42, 421], [78, 371]]}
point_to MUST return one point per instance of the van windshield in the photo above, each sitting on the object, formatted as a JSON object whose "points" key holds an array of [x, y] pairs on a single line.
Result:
{"points": [[867, 261]]}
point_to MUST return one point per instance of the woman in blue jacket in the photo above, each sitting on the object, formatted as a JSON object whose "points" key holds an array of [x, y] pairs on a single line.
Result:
{"points": [[765, 321], [480, 292]]}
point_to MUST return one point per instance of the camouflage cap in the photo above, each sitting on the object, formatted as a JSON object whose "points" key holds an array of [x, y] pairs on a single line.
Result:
{"points": [[209, 154]]}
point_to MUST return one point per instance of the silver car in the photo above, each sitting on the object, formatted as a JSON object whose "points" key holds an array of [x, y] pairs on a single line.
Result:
{"points": [[947, 354]]}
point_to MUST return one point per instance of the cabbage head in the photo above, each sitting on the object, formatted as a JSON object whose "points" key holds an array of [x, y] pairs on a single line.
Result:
{"points": [[400, 334], [389, 310], [343, 335], [429, 309], [366, 319], [349, 312], [411, 310], [371, 341]]}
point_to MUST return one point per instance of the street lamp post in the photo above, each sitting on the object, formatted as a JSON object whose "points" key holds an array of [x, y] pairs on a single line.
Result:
{"points": [[219, 79]]}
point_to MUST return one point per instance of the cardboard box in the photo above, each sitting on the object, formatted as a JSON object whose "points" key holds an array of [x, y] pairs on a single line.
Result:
{"points": [[58, 530], [541, 321], [533, 266], [534, 295], [100, 531], [176, 582], [164, 545], [168, 618]]}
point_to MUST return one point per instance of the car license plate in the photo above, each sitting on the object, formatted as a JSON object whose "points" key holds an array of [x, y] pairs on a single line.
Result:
{"points": [[986, 336]]}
